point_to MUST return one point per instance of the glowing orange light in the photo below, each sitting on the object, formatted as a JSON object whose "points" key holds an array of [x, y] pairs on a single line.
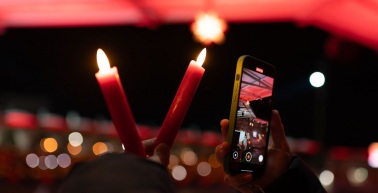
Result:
{"points": [[373, 147], [208, 28], [49, 145], [99, 148], [74, 150]]}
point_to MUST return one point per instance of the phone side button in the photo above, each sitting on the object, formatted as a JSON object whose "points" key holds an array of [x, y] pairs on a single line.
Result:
{"points": [[237, 78]]}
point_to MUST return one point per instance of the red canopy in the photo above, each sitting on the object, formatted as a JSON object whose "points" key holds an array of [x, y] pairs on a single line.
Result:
{"points": [[255, 86], [356, 20]]}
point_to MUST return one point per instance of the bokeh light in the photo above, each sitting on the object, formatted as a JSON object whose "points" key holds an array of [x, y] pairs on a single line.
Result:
{"points": [[99, 148], [74, 150], [317, 79], [188, 157], [179, 173], [64, 160], [51, 161], [326, 178], [357, 175], [373, 155], [75, 139], [203, 169], [209, 28], [49, 145], [32, 160]]}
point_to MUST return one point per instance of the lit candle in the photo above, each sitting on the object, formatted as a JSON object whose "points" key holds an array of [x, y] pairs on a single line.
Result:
{"points": [[118, 106], [181, 102]]}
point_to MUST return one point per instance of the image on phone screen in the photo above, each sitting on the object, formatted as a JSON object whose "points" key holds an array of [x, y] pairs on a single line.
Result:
{"points": [[252, 118]]}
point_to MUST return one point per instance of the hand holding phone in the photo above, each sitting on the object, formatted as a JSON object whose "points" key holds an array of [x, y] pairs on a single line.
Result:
{"points": [[277, 164], [250, 116]]}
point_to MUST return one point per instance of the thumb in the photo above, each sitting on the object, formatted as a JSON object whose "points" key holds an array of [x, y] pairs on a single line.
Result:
{"points": [[162, 151], [278, 132]]}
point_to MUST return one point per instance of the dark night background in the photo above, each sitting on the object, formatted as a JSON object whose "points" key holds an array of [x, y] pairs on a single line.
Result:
{"points": [[55, 67]]}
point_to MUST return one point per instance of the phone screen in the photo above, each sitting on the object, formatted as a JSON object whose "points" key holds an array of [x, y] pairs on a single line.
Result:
{"points": [[252, 119]]}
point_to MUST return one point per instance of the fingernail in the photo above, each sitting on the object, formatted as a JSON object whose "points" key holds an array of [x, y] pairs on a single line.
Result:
{"points": [[221, 148]]}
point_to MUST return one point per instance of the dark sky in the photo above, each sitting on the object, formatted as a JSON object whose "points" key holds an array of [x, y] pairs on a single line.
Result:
{"points": [[55, 68]]}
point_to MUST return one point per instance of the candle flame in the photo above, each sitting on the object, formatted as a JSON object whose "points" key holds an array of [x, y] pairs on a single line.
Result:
{"points": [[102, 61], [201, 57]]}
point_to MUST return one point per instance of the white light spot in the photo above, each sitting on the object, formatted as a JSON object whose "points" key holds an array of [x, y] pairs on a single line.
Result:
{"points": [[357, 175], [51, 161], [188, 157], [179, 173], [75, 139], [32, 160], [64, 160], [326, 178], [317, 79], [373, 155], [261, 158], [203, 169]]}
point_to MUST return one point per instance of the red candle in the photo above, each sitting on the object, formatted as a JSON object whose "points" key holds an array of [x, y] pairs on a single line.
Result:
{"points": [[181, 102], [118, 106]]}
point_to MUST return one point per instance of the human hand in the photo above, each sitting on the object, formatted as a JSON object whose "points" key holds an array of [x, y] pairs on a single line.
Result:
{"points": [[279, 158], [161, 152]]}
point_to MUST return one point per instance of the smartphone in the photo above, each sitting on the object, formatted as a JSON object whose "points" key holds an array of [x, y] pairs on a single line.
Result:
{"points": [[250, 116]]}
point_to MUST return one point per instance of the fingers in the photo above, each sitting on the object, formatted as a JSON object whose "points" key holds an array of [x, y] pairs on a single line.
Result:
{"points": [[149, 145], [163, 152], [148, 142], [278, 132], [221, 151], [224, 128]]}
